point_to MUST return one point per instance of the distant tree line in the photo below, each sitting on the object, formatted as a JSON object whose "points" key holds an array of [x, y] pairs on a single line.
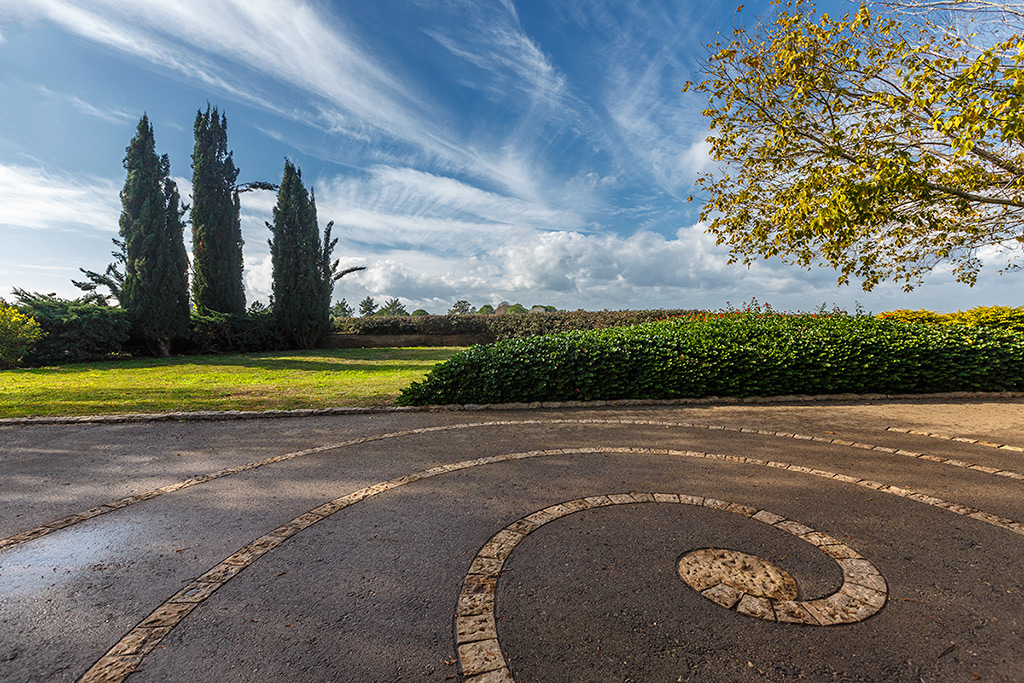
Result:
{"points": [[393, 307], [149, 277]]}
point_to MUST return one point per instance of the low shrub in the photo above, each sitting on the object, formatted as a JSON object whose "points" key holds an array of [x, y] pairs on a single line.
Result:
{"points": [[993, 317], [498, 327], [18, 332], [730, 354], [212, 332], [75, 330]]}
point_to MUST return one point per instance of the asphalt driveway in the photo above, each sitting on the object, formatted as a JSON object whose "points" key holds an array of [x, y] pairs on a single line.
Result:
{"points": [[865, 540]]}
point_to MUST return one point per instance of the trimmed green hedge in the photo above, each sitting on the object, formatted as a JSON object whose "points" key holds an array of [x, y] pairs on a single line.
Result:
{"points": [[730, 354], [508, 326]]}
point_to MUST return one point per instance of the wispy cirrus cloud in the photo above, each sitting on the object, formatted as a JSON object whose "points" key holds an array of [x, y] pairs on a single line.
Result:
{"points": [[110, 114], [36, 199]]}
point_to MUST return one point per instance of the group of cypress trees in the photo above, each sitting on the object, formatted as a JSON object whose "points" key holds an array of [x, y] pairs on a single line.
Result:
{"points": [[153, 289]]}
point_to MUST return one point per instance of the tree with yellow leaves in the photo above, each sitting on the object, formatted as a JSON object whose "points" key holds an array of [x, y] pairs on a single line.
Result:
{"points": [[881, 144]]}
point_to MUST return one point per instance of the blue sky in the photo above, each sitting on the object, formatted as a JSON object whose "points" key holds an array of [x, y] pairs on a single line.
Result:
{"points": [[488, 150]]}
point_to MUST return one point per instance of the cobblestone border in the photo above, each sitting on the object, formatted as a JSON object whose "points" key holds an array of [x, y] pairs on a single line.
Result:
{"points": [[961, 439], [124, 657], [218, 415], [481, 660], [75, 518]]}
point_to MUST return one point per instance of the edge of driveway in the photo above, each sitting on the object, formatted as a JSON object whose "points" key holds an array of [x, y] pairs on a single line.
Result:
{"points": [[215, 415]]}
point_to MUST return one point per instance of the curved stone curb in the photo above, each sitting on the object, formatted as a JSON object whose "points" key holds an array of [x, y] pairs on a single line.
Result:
{"points": [[215, 415], [75, 518], [122, 659], [481, 660], [960, 439]]}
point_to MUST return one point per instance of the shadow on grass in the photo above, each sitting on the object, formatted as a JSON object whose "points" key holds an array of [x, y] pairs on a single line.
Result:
{"points": [[323, 360]]}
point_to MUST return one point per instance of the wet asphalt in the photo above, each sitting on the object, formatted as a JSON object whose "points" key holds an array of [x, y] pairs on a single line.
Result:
{"points": [[369, 593]]}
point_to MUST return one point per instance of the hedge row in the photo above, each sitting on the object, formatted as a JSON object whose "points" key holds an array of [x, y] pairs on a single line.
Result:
{"points": [[508, 326], [736, 354], [992, 317], [74, 332]]}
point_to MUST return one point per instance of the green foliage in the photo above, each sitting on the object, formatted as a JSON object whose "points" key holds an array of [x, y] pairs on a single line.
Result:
{"points": [[730, 354], [517, 309], [460, 307], [112, 278], [992, 317], [392, 307], [216, 223], [155, 290], [303, 274], [878, 145], [420, 312], [256, 331], [341, 310], [486, 309], [75, 330], [501, 326], [367, 307], [18, 332]]}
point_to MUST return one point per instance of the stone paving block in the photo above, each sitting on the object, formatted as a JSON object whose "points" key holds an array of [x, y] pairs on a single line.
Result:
{"points": [[744, 510], [863, 573], [839, 608], [480, 657], [475, 604], [221, 573], [620, 498], [819, 539], [168, 614], [768, 517], [328, 509], [792, 612], [716, 504], [795, 528], [524, 526], [109, 669], [485, 565], [140, 642], [643, 497], [474, 628], [686, 499], [868, 596], [197, 591], [476, 584], [557, 511], [666, 497], [846, 478], [752, 606], [577, 505], [724, 595], [841, 551]]}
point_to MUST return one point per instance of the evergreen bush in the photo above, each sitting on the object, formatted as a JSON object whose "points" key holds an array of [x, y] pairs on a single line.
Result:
{"points": [[730, 354]]}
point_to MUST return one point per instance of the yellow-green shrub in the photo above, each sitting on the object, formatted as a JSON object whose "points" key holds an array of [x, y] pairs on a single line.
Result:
{"points": [[17, 334]]}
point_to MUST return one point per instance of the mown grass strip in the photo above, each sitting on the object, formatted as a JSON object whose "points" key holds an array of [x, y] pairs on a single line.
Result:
{"points": [[259, 381]]}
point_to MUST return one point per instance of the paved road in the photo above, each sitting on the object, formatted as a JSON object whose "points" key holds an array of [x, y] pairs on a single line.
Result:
{"points": [[614, 544]]}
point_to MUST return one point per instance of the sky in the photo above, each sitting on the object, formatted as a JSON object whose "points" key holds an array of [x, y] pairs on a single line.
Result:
{"points": [[538, 151]]}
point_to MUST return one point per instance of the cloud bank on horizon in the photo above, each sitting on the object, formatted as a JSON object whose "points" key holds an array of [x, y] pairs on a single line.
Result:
{"points": [[485, 150]]}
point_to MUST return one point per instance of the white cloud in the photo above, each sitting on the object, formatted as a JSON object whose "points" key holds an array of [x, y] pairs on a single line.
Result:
{"points": [[34, 198]]}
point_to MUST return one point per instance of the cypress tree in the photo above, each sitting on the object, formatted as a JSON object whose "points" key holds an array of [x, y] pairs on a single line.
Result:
{"points": [[303, 273], [216, 222], [155, 289]]}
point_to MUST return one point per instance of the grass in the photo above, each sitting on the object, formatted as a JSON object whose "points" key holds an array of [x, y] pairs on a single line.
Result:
{"points": [[257, 381]]}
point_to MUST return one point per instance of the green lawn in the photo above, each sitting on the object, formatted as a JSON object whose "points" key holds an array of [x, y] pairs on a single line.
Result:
{"points": [[257, 381]]}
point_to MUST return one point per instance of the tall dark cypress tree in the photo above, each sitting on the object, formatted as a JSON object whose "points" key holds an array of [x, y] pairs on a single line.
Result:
{"points": [[216, 223], [155, 290], [303, 274]]}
